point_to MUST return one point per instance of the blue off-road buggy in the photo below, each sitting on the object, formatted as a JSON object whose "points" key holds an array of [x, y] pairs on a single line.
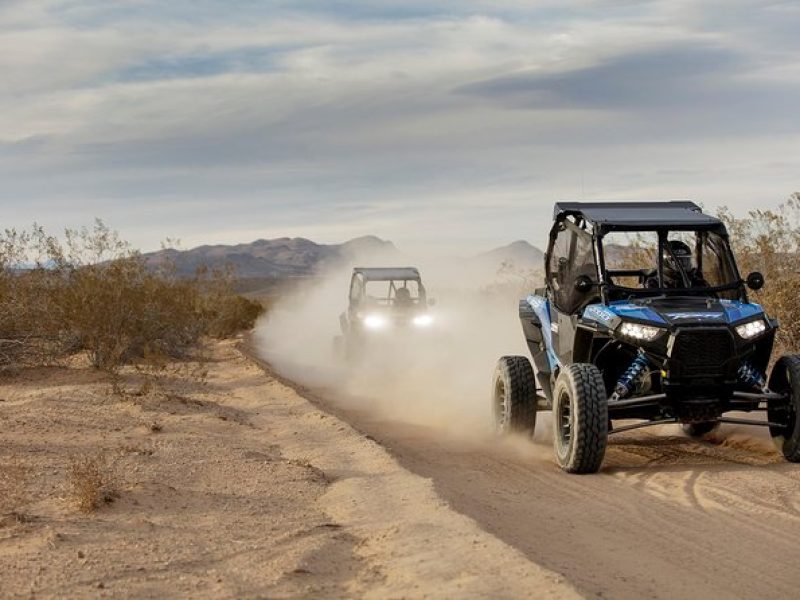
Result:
{"points": [[643, 317]]}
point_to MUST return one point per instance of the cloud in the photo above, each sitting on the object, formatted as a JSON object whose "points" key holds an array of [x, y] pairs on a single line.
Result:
{"points": [[442, 124], [639, 81]]}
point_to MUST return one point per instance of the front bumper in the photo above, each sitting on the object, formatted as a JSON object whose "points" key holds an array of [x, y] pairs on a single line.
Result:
{"points": [[704, 361]]}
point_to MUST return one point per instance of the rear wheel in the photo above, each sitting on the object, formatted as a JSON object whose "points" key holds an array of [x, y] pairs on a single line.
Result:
{"points": [[580, 418], [514, 395], [699, 430], [785, 379]]}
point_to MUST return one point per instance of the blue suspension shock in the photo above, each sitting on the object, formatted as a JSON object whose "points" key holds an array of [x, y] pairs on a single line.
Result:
{"points": [[629, 377], [751, 376]]}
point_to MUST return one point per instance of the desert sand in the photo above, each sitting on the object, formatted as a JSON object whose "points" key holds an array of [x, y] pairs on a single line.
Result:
{"points": [[248, 484], [232, 487], [666, 517]]}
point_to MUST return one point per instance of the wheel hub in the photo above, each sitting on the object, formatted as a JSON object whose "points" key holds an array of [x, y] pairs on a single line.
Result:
{"points": [[565, 420], [501, 406]]}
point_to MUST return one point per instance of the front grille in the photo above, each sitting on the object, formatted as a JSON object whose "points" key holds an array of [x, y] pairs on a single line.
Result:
{"points": [[702, 351]]}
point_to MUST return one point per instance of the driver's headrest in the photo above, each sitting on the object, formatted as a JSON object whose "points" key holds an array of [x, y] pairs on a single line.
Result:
{"points": [[682, 253], [680, 249]]}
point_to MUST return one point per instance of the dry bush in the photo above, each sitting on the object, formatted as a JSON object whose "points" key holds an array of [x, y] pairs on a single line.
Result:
{"points": [[116, 307], [29, 332], [13, 489], [513, 281], [119, 312], [227, 314], [91, 292], [769, 241], [91, 482], [156, 375]]}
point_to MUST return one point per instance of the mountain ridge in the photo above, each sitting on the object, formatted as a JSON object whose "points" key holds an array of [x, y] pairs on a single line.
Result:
{"points": [[302, 257]]}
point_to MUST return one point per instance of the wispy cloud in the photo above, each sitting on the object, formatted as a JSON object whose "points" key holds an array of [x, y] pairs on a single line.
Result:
{"points": [[448, 123]]}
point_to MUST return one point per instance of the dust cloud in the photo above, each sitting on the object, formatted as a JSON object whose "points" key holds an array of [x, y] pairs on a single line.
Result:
{"points": [[439, 377]]}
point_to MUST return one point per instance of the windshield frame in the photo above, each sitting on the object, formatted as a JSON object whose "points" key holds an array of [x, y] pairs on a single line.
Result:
{"points": [[392, 285], [723, 245]]}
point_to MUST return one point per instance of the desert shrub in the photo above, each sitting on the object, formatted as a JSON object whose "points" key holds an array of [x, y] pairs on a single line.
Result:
{"points": [[231, 314], [113, 306], [91, 292], [225, 313], [513, 281], [119, 312], [90, 482], [769, 241], [29, 330]]}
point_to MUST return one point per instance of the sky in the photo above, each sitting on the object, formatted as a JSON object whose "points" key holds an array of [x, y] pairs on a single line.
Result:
{"points": [[448, 127]]}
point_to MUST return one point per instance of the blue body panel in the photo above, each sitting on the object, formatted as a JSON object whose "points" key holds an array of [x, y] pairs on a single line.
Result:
{"points": [[737, 311], [608, 316], [725, 311], [541, 306], [624, 309]]}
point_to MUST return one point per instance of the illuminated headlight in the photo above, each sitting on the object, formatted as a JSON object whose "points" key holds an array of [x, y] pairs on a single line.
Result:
{"points": [[636, 331], [423, 320], [751, 329], [375, 322]]}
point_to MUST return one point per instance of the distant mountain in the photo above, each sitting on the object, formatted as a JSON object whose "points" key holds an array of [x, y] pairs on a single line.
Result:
{"points": [[283, 257], [520, 254], [518, 259], [262, 260]]}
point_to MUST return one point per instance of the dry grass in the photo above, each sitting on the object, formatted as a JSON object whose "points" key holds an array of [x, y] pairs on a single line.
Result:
{"points": [[93, 293], [154, 375], [769, 241], [13, 490], [91, 482]]}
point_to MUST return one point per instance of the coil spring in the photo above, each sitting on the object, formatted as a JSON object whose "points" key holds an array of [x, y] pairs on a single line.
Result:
{"points": [[625, 383], [751, 376]]}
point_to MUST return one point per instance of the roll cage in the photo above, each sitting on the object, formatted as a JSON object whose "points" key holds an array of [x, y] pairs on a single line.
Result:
{"points": [[576, 268], [394, 277]]}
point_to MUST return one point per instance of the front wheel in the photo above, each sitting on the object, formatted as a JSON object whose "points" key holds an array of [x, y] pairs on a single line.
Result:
{"points": [[785, 379], [353, 347], [580, 418], [514, 395]]}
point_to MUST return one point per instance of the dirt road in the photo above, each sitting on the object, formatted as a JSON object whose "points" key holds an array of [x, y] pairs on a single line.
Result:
{"points": [[667, 517], [227, 486]]}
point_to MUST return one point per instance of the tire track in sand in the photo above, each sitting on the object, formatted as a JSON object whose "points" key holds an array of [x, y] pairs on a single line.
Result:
{"points": [[666, 517]]}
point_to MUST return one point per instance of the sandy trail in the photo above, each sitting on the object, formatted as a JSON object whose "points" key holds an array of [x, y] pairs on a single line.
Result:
{"points": [[667, 517], [233, 488]]}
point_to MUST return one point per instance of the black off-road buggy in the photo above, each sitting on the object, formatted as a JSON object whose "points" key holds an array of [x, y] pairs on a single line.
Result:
{"points": [[384, 303], [643, 317]]}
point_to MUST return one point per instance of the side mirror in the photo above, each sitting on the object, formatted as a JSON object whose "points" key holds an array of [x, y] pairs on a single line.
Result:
{"points": [[755, 280], [431, 301], [583, 284]]}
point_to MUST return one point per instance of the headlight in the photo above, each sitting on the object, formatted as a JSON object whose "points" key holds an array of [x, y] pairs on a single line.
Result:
{"points": [[375, 322], [423, 320], [636, 331], [751, 329]]}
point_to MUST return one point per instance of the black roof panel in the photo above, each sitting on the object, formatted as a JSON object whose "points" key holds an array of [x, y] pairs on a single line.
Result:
{"points": [[387, 273], [639, 214]]}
